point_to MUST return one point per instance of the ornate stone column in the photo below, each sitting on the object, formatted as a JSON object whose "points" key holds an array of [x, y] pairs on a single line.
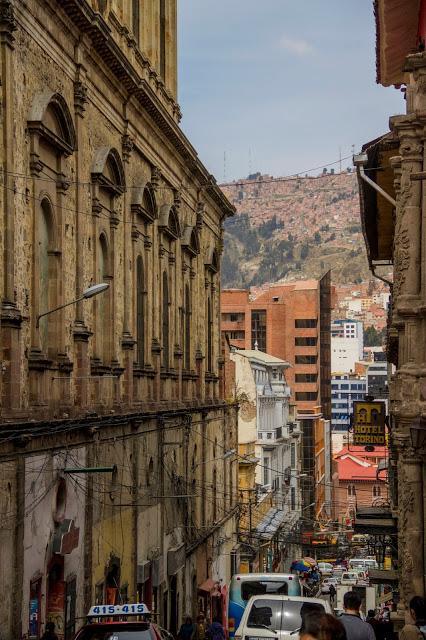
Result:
{"points": [[81, 333], [410, 517]]}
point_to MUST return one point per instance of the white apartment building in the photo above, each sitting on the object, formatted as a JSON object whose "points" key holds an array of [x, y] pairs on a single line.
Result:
{"points": [[267, 421]]}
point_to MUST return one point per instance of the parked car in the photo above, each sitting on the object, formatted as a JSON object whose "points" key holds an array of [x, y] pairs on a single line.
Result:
{"points": [[326, 568], [274, 617], [325, 585], [121, 622], [349, 578]]}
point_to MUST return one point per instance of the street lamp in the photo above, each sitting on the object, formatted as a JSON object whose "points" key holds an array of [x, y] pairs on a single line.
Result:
{"points": [[226, 455], [94, 290], [418, 434]]}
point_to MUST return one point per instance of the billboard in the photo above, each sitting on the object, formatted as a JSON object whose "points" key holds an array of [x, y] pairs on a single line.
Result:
{"points": [[368, 424]]}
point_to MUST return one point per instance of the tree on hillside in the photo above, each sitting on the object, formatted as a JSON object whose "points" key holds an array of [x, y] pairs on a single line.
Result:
{"points": [[317, 237], [304, 251], [372, 337]]}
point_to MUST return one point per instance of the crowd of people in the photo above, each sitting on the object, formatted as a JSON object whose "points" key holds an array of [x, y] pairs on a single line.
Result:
{"points": [[317, 625], [201, 629]]}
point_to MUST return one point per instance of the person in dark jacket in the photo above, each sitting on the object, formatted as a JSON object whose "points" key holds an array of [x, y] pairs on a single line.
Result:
{"points": [[356, 629], [215, 630], [49, 633], [187, 630], [371, 619]]}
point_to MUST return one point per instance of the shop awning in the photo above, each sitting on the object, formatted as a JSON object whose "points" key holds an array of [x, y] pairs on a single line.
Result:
{"points": [[377, 213], [271, 523], [375, 521], [207, 585], [382, 576]]}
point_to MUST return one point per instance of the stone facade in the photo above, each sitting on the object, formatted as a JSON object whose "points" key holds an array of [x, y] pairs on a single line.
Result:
{"points": [[99, 184]]}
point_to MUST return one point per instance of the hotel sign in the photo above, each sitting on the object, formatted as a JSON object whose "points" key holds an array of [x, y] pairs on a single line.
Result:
{"points": [[369, 423]]}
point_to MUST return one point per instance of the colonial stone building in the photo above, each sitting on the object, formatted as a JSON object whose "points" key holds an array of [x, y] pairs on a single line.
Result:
{"points": [[393, 208], [100, 185]]}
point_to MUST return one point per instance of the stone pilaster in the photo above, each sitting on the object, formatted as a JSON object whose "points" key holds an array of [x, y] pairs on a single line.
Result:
{"points": [[410, 517]]}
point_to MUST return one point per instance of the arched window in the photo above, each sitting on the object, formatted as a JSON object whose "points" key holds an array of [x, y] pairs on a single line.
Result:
{"points": [[351, 490], [231, 483], [165, 321], [163, 39], [376, 491], [102, 302], [44, 275], [136, 20], [187, 337], [214, 495], [140, 312], [209, 336]]}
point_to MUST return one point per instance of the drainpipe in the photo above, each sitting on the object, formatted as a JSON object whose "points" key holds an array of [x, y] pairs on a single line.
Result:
{"points": [[360, 161]]}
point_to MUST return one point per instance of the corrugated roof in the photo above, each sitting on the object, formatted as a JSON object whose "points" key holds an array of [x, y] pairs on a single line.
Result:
{"points": [[261, 356], [271, 523]]}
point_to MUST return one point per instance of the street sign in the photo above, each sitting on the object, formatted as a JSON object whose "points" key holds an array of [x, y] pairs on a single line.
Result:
{"points": [[369, 423]]}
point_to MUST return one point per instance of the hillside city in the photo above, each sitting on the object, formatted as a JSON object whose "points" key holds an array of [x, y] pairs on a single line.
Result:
{"points": [[212, 396], [294, 228]]}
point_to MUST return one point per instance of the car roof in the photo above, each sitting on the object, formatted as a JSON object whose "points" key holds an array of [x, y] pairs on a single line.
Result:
{"points": [[274, 596]]}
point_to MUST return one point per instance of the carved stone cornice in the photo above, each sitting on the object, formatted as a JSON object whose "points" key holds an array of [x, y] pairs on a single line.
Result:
{"points": [[127, 341], [145, 88], [10, 316], [7, 22], [80, 332]]}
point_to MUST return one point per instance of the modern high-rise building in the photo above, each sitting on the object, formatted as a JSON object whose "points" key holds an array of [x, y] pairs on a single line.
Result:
{"points": [[345, 388]]}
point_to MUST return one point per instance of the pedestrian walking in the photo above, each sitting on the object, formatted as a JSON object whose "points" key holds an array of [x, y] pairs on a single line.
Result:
{"points": [[332, 592], [49, 633], [201, 627], [356, 629], [215, 630], [322, 626], [187, 630], [415, 629], [371, 619]]}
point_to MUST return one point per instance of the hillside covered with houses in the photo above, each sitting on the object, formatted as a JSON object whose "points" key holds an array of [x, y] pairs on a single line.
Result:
{"points": [[294, 228]]}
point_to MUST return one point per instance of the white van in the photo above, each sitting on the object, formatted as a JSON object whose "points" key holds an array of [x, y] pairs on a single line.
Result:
{"points": [[326, 568], [349, 578], [275, 617], [363, 563]]}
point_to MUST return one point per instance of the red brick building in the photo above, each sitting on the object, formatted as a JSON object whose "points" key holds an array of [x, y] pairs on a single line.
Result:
{"points": [[359, 482]]}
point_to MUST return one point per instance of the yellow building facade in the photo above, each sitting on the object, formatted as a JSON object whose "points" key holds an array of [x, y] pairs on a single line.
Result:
{"points": [[114, 480]]}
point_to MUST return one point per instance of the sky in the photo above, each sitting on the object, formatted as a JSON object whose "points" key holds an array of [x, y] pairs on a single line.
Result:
{"points": [[279, 86]]}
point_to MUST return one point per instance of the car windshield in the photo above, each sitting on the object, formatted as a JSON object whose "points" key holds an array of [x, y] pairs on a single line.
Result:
{"points": [[261, 587], [278, 615], [116, 632], [265, 613]]}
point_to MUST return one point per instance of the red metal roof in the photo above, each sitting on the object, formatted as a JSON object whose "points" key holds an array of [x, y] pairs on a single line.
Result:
{"points": [[349, 469], [379, 452]]}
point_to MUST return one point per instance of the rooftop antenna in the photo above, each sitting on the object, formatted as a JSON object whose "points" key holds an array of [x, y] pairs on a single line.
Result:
{"points": [[340, 159], [250, 166], [224, 166]]}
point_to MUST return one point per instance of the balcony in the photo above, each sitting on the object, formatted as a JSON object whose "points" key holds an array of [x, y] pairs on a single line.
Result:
{"points": [[281, 433], [294, 429]]}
